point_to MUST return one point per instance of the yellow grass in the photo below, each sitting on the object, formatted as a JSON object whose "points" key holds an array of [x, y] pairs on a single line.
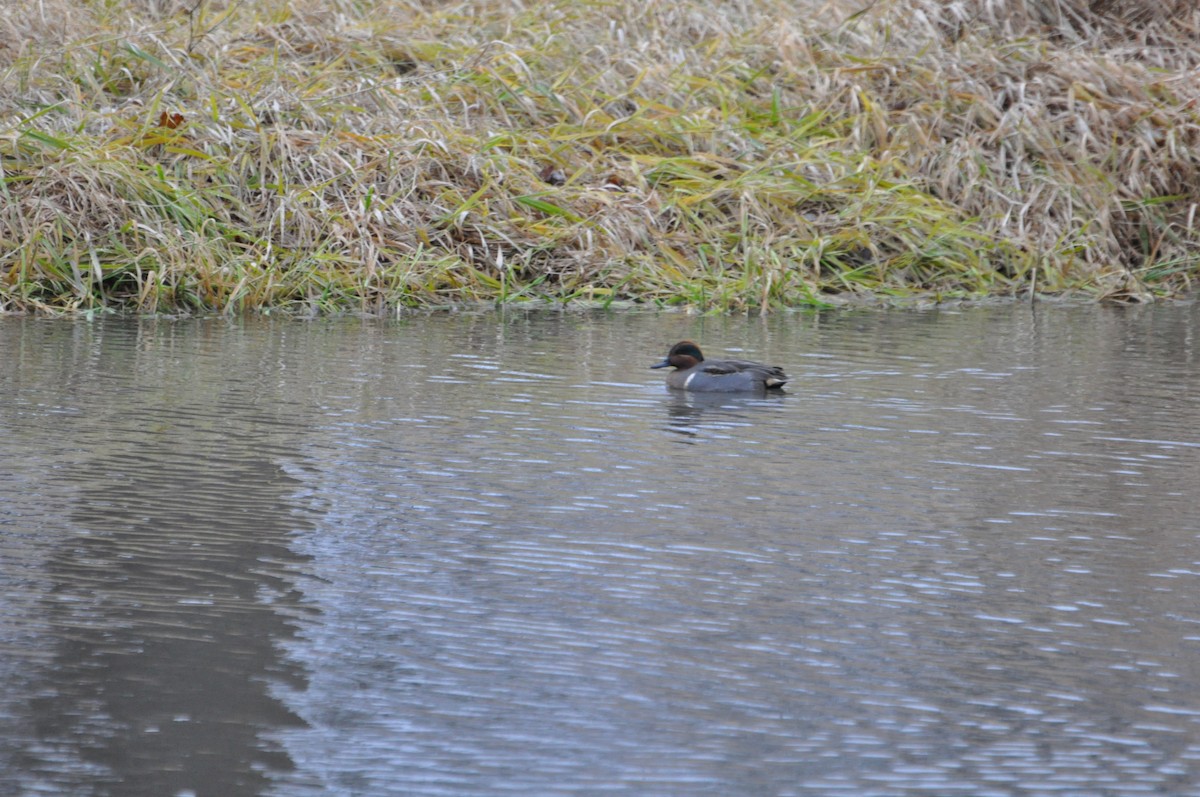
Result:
{"points": [[325, 155]]}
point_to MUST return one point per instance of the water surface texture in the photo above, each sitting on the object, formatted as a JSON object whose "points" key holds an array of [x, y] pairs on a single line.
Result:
{"points": [[492, 554]]}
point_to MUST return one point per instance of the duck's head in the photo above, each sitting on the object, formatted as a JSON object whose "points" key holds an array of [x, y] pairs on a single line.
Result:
{"points": [[683, 355]]}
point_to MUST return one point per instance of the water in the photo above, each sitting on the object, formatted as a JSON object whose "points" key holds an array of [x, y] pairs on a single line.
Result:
{"points": [[475, 554]]}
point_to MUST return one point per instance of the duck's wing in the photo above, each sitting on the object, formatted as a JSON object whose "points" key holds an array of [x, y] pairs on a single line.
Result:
{"points": [[771, 375], [748, 365], [721, 367]]}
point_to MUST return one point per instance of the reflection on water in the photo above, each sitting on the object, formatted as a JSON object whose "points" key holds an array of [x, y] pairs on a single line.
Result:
{"points": [[164, 583], [493, 555], [693, 414]]}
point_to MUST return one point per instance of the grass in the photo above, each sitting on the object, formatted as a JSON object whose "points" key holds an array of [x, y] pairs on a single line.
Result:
{"points": [[322, 156]]}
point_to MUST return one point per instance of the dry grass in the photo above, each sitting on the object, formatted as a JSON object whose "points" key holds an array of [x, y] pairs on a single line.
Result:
{"points": [[332, 155]]}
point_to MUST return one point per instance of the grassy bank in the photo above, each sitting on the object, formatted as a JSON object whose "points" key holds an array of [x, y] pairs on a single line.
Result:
{"points": [[332, 155]]}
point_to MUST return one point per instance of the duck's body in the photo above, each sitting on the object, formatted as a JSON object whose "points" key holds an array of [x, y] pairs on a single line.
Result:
{"points": [[693, 372]]}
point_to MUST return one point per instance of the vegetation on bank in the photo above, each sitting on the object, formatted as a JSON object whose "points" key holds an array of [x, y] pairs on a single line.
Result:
{"points": [[331, 155]]}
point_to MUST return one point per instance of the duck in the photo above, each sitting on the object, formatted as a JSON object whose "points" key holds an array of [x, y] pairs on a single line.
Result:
{"points": [[693, 372]]}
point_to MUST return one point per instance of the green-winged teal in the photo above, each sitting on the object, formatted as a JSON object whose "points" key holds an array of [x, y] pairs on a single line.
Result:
{"points": [[693, 372]]}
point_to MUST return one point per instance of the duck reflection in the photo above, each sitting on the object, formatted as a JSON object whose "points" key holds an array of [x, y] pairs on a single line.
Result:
{"points": [[691, 414]]}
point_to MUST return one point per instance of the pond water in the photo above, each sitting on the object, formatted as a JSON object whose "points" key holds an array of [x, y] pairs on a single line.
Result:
{"points": [[491, 554]]}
